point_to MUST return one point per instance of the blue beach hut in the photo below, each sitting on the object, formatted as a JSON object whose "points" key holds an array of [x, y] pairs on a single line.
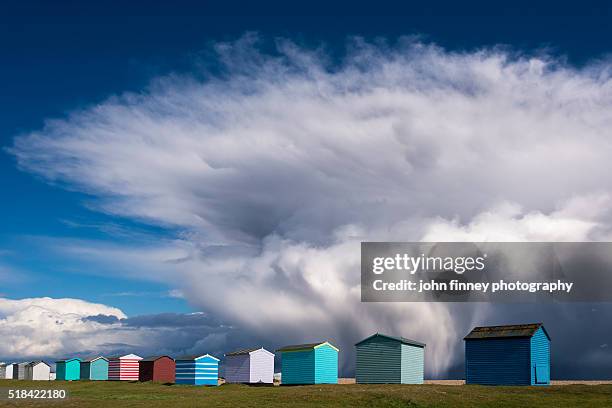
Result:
{"points": [[197, 370], [68, 370], [508, 355], [95, 369], [312, 363], [383, 359]]}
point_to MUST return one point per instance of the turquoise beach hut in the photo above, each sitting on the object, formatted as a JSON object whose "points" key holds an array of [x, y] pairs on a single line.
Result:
{"points": [[383, 359], [197, 370], [68, 370], [95, 369], [313, 363]]}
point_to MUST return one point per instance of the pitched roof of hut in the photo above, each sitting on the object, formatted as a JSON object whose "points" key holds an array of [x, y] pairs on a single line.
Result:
{"points": [[125, 356], [507, 331], [92, 359], [154, 358], [68, 359], [33, 363], [402, 340], [246, 351], [307, 346], [195, 357], [243, 351]]}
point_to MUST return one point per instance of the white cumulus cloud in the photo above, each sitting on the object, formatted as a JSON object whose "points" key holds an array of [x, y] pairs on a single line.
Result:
{"points": [[46, 327]]}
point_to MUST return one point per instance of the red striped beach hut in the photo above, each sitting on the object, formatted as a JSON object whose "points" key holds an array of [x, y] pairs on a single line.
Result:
{"points": [[123, 368]]}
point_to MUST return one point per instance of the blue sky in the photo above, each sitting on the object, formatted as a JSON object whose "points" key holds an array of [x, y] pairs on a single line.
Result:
{"points": [[67, 236]]}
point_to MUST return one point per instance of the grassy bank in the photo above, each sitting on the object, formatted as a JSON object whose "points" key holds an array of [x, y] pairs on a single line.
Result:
{"points": [[115, 394]]}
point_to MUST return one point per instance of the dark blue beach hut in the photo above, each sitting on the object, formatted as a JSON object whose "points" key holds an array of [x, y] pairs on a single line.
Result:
{"points": [[508, 355]]}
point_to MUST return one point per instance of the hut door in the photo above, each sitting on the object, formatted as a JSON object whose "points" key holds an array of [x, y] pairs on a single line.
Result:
{"points": [[542, 374]]}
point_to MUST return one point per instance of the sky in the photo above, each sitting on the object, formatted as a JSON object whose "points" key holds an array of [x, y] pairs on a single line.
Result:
{"points": [[192, 170]]}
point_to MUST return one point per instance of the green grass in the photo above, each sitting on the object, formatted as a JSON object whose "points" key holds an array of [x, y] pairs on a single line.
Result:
{"points": [[129, 394]]}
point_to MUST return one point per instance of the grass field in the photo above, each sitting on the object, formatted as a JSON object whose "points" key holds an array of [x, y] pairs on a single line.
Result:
{"points": [[128, 394]]}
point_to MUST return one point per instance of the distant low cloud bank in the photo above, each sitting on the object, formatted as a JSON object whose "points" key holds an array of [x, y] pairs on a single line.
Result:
{"points": [[51, 328], [48, 327], [274, 168]]}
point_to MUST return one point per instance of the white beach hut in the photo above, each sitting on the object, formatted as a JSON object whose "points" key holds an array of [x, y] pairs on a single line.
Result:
{"points": [[37, 371], [249, 366], [8, 371]]}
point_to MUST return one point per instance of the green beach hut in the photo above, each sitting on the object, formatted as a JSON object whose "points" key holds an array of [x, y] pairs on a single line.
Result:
{"points": [[383, 359], [95, 369], [68, 370], [313, 363]]}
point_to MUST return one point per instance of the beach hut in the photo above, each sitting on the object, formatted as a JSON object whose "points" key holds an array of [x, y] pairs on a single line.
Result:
{"points": [[68, 370], [249, 366], [8, 371], [123, 368], [19, 370], [383, 359], [313, 363], [94, 369], [158, 368], [37, 371], [508, 355], [2, 370], [197, 370]]}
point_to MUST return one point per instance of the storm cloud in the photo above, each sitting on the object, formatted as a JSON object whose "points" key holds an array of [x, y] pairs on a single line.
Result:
{"points": [[274, 167]]}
